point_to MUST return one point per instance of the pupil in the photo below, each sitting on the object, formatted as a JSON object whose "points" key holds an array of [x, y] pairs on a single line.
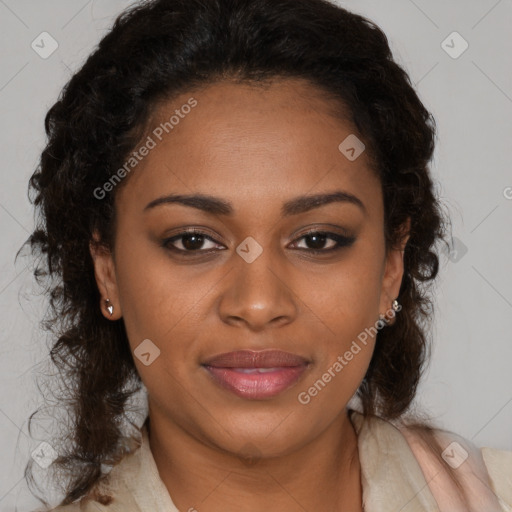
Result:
{"points": [[198, 241], [320, 239], [193, 241]]}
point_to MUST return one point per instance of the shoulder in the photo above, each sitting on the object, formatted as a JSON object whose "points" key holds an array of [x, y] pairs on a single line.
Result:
{"points": [[92, 502], [485, 474], [120, 501], [451, 463], [113, 493], [499, 467], [81, 505]]}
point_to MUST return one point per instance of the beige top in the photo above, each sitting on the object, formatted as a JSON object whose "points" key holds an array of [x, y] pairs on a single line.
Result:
{"points": [[396, 476]]}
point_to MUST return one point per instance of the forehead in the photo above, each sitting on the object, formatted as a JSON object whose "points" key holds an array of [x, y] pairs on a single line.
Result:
{"points": [[249, 144]]}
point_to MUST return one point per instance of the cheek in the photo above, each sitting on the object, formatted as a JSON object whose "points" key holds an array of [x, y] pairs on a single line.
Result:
{"points": [[345, 343], [348, 296], [149, 288], [364, 277], [163, 303]]}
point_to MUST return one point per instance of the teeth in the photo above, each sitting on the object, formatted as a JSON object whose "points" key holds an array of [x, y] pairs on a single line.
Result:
{"points": [[255, 370]]}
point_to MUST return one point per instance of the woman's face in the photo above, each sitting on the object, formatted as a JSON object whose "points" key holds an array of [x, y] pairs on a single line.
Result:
{"points": [[250, 280]]}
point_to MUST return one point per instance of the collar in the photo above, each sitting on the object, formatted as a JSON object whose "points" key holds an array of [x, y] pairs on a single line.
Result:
{"points": [[391, 477]]}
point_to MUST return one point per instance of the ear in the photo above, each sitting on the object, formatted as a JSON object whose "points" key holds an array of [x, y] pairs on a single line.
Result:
{"points": [[104, 272], [393, 272]]}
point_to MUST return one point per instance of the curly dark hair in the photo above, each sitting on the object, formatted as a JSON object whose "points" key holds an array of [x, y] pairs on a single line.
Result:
{"points": [[156, 50]]}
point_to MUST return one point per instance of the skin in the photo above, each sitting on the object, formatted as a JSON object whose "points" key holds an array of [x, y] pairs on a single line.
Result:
{"points": [[256, 148]]}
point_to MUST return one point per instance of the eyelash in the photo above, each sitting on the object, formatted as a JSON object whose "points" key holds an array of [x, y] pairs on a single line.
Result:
{"points": [[341, 242]]}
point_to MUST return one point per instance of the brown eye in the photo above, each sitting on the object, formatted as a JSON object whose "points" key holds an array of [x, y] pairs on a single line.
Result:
{"points": [[190, 241], [316, 240]]}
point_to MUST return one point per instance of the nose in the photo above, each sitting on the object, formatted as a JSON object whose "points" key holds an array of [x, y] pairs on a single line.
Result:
{"points": [[258, 295]]}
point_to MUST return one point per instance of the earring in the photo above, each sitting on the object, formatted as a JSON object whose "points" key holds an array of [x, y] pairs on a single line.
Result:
{"points": [[384, 320], [109, 306]]}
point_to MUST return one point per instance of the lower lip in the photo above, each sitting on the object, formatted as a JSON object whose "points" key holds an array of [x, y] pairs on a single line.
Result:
{"points": [[256, 386]]}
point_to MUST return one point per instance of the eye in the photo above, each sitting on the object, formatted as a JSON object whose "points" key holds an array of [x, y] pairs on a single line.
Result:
{"points": [[193, 241], [318, 239], [190, 241]]}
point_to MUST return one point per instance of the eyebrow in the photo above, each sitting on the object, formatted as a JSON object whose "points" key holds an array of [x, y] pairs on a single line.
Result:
{"points": [[217, 206]]}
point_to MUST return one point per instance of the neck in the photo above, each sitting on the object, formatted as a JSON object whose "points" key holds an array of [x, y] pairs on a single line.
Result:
{"points": [[321, 475]]}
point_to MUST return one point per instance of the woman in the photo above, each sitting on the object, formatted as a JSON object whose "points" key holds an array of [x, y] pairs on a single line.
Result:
{"points": [[236, 197]]}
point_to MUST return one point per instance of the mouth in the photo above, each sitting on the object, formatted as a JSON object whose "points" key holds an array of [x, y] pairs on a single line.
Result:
{"points": [[256, 375]]}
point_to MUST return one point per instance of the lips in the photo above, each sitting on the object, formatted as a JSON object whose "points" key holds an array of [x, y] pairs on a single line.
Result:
{"points": [[252, 359], [256, 375]]}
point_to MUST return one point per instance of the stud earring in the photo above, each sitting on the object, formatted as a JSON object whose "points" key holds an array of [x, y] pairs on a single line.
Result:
{"points": [[384, 320], [109, 306]]}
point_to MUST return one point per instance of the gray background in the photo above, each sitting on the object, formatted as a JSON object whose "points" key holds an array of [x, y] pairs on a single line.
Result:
{"points": [[468, 387]]}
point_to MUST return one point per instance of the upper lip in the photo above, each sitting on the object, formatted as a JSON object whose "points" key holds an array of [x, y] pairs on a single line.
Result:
{"points": [[255, 359]]}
